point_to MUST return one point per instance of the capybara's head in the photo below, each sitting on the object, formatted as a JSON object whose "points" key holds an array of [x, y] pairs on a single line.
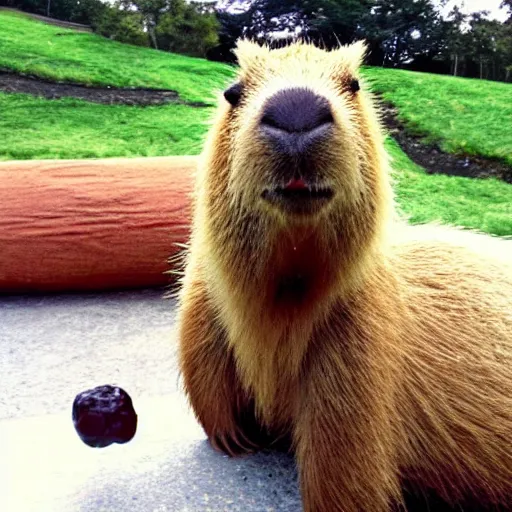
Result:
{"points": [[296, 150]]}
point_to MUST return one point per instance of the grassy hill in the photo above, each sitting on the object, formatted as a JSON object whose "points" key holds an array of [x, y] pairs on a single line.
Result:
{"points": [[56, 53], [481, 204], [462, 115], [459, 114]]}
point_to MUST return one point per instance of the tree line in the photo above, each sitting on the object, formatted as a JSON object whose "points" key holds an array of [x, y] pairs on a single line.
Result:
{"points": [[409, 34]]}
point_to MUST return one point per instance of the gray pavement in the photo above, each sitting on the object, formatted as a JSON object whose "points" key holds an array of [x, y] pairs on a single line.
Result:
{"points": [[51, 348]]}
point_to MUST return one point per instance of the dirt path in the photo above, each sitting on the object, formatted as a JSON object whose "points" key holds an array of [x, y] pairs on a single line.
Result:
{"points": [[51, 21], [15, 83], [436, 161]]}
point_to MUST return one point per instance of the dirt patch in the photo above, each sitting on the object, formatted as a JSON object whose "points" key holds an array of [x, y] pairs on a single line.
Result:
{"points": [[15, 83], [436, 161]]}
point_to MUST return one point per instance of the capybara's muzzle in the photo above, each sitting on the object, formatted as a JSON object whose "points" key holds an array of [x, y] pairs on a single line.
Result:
{"points": [[295, 120]]}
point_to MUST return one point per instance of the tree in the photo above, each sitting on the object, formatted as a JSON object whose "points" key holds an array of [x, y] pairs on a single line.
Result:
{"points": [[151, 12], [341, 21], [400, 33], [123, 26], [507, 4], [35, 6], [404, 29], [329, 22], [483, 36], [187, 28], [455, 38], [231, 26], [504, 47]]}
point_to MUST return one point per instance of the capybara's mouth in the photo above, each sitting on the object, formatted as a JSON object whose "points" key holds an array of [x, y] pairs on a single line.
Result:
{"points": [[297, 196]]}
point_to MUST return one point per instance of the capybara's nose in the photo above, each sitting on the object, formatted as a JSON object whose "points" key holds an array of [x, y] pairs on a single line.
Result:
{"points": [[295, 120]]}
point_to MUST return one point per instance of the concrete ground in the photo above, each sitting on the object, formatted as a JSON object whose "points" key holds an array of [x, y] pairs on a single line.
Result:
{"points": [[53, 347]]}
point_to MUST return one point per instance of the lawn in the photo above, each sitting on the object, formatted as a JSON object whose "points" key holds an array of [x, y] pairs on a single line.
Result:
{"points": [[482, 204], [463, 115], [36, 128], [56, 53]]}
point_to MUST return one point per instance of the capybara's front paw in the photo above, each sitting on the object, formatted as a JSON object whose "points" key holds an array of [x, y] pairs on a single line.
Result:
{"points": [[234, 443], [243, 441]]}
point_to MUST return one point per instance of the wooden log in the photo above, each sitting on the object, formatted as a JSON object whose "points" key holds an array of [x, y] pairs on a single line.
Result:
{"points": [[81, 225]]}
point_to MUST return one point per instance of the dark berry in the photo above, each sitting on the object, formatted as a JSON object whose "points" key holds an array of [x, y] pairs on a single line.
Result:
{"points": [[104, 415]]}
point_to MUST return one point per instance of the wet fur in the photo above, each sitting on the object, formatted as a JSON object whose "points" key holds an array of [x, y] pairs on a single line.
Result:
{"points": [[380, 353]]}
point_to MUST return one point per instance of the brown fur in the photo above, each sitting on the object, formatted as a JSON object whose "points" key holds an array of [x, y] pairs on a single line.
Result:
{"points": [[390, 359]]}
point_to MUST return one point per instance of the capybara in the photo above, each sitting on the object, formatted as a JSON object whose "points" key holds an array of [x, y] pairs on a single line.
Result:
{"points": [[312, 315]]}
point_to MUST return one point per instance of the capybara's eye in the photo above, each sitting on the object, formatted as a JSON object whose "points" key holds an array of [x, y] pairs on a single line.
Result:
{"points": [[233, 94], [354, 85], [104, 415]]}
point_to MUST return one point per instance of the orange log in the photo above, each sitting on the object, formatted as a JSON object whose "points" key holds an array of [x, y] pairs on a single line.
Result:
{"points": [[78, 225]]}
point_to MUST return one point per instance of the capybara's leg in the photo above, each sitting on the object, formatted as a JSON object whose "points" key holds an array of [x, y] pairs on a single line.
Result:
{"points": [[341, 470], [343, 435], [224, 409]]}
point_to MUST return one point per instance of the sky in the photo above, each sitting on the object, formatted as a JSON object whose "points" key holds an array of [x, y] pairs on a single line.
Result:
{"points": [[469, 6]]}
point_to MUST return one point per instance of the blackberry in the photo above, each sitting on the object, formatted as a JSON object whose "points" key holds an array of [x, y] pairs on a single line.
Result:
{"points": [[104, 415]]}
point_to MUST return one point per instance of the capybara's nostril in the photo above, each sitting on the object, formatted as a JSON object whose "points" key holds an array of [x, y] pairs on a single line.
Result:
{"points": [[296, 110], [295, 119]]}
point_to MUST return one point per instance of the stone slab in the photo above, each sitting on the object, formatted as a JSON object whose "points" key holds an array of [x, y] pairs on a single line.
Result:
{"points": [[51, 348]]}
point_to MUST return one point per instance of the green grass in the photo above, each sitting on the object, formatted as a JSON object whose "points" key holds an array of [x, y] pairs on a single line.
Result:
{"points": [[36, 128], [462, 115], [56, 53], [481, 204]]}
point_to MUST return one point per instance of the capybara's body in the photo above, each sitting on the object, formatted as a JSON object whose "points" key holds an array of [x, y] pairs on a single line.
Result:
{"points": [[310, 313]]}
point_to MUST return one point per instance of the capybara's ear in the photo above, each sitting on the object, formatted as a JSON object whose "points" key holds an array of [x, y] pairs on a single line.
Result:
{"points": [[248, 52], [354, 54]]}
